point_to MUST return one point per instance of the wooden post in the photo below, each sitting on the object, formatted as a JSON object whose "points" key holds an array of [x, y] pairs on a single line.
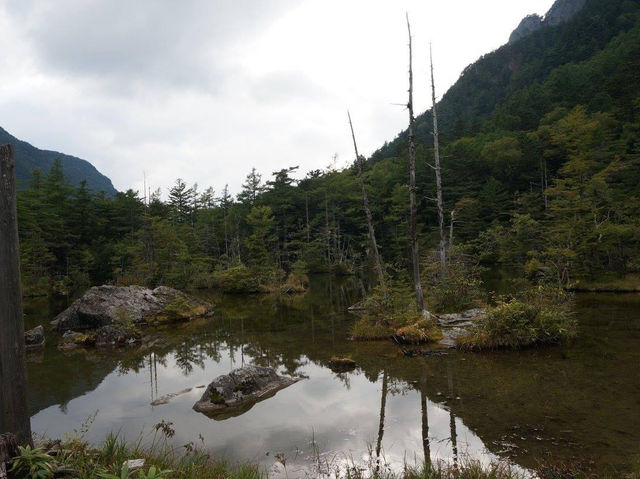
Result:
{"points": [[415, 254], [14, 412]]}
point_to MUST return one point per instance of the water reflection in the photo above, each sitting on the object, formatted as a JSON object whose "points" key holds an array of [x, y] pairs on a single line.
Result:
{"points": [[579, 400]]}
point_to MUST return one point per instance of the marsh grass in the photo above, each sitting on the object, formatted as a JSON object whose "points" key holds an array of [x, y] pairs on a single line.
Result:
{"points": [[109, 459], [391, 313]]}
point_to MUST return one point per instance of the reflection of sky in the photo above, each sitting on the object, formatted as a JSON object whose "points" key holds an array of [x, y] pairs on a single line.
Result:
{"points": [[343, 420]]}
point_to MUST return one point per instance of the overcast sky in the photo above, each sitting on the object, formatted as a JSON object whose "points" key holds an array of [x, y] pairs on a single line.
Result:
{"points": [[205, 90]]}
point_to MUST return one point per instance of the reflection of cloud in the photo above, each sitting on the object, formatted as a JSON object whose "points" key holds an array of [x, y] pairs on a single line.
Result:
{"points": [[342, 421]]}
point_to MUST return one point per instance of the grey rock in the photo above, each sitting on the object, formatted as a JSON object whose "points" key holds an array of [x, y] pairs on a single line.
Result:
{"points": [[563, 10], [103, 305], [560, 12], [235, 393], [527, 26], [455, 325], [34, 338]]}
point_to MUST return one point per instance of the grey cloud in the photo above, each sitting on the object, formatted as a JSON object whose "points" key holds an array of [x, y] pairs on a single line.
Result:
{"points": [[125, 45], [284, 86]]}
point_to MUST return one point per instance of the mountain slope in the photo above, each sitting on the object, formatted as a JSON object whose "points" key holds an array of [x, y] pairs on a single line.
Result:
{"points": [[29, 158], [496, 77]]}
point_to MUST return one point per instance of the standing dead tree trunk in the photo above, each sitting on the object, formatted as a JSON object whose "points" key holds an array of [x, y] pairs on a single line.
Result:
{"points": [[415, 261], [14, 412], [453, 215], [436, 167], [367, 210]]}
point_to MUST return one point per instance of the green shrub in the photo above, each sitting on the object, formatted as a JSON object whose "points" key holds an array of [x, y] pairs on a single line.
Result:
{"points": [[537, 316], [237, 279], [459, 290]]}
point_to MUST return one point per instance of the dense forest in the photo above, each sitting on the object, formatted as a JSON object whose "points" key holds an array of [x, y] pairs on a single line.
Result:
{"points": [[540, 148]]}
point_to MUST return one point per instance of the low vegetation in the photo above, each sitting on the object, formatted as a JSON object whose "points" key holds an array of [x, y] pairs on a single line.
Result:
{"points": [[76, 458], [461, 289], [391, 313], [114, 460], [537, 316]]}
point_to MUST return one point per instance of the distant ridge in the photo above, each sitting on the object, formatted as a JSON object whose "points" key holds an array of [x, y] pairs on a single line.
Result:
{"points": [[560, 12], [29, 158]]}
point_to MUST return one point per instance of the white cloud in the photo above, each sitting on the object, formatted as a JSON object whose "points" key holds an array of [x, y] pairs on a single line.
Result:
{"points": [[205, 90]]}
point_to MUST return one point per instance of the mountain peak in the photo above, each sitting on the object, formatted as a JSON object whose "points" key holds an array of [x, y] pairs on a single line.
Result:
{"points": [[560, 12], [29, 158]]}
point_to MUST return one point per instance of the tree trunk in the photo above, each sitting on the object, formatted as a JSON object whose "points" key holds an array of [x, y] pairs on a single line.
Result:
{"points": [[8, 450], [453, 214], [415, 261], [306, 208], [367, 211], [14, 411], [436, 155]]}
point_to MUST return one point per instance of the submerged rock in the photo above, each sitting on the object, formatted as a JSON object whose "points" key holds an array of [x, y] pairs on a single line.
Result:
{"points": [[455, 325], [235, 393], [34, 338], [342, 365], [103, 305]]}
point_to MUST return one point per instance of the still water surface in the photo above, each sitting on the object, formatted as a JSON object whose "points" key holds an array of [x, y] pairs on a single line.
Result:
{"points": [[575, 402]]}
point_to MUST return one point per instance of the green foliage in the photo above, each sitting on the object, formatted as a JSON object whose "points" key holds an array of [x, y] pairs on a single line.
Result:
{"points": [[33, 463], [391, 312], [538, 316], [461, 288], [540, 161], [238, 279]]}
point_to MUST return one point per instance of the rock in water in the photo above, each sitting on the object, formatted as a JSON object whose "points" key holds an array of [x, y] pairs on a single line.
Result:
{"points": [[34, 338], [235, 393], [103, 305]]}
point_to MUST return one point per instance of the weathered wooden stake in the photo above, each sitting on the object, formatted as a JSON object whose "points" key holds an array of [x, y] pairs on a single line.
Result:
{"points": [[14, 417]]}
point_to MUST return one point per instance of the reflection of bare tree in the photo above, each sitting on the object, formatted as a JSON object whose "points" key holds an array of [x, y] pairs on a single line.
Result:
{"points": [[425, 421], [452, 418], [383, 405]]}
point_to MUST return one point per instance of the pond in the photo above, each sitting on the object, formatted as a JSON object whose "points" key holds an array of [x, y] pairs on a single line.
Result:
{"points": [[578, 402]]}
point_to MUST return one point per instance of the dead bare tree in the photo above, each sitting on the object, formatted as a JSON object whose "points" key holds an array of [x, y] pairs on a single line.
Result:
{"points": [[453, 215], [14, 413], [436, 168], [415, 261], [367, 210]]}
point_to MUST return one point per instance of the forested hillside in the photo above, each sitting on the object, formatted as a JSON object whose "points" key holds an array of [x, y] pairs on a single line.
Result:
{"points": [[541, 168], [29, 158]]}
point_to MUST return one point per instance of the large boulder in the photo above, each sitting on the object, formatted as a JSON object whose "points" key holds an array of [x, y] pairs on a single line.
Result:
{"points": [[235, 393], [103, 305]]}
